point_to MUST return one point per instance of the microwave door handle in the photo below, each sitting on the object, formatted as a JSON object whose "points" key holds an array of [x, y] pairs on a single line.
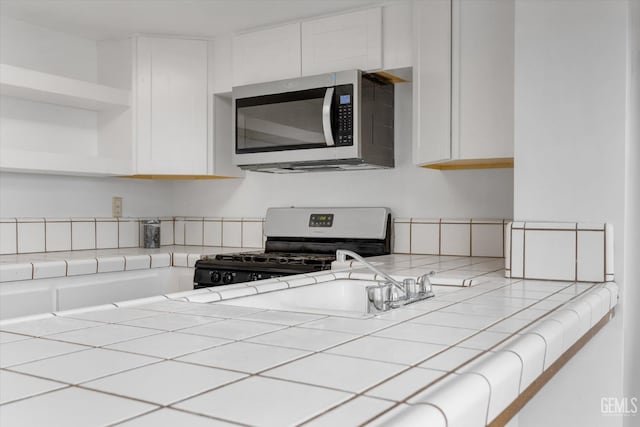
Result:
{"points": [[326, 116]]}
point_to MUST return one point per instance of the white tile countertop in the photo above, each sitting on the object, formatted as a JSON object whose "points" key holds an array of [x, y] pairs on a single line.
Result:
{"points": [[458, 359], [43, 265]]}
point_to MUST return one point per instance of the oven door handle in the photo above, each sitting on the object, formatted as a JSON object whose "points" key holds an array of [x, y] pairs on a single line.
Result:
{"points": [[326, 116]]}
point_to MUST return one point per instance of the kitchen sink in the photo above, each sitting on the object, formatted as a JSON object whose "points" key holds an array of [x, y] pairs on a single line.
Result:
{"points": [[343, 297]]}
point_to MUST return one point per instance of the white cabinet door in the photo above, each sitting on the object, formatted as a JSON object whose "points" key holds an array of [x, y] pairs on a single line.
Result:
{"points": [[266, 55], [397, 37], [171, 103], [432, 81], [343, 42], [483, 78], [463, 83], [220, 65]]}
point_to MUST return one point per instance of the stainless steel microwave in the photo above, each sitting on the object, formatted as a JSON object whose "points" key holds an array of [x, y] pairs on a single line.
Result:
{"points": [[335, 121]]}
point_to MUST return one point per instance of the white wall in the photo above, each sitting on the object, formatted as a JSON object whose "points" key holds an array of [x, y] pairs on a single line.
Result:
{"points": [[41, 49], [570, 99], [408, 190], [632, 226], [29, 195]]}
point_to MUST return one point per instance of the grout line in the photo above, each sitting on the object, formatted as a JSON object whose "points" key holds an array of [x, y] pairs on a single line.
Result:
{"points": [[411, 235], [575, 275], [440, 238], [604, 269], [16, 228], [45, 234], [524, 252], [471, 237]]}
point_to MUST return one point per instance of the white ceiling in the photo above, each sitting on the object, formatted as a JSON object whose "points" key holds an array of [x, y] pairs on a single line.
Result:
{"points": [[104, 19]]}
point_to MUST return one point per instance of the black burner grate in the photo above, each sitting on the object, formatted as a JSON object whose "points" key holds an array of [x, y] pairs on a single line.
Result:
{"points": [[257, 258]]}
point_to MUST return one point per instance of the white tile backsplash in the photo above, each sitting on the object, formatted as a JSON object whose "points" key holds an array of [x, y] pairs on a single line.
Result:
{"points": [[425, 238], [232, 233], [516, 266], [83, 234], [193, 232], [559, 251], [608, 254], [590, 257], [106, 234], [128, 233], [415, 236], [166, 232], [212, 233], [58, 236], [550, 254], [455, 239], [402, 236], [8, 237], [31, 236], [178, 231], [487, 239]]}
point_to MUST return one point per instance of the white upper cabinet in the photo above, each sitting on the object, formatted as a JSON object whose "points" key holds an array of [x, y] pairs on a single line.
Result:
{"points": [[172, 106], [463, 83], [483, 78], [266, 55], [432, 81], [343, 42], [220, 65], [397, 35]]}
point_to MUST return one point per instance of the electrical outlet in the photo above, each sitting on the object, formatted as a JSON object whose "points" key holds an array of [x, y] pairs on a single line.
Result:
{"points": [[116, 207]]}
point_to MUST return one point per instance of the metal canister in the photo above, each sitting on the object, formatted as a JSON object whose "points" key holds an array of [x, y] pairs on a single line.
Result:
{"points": [[151, 233]]}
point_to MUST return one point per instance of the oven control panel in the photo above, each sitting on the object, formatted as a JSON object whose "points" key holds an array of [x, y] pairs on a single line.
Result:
{"points": [[321, 220]]}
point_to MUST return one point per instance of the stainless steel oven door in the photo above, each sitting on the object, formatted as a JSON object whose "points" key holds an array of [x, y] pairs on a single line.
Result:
{"points": [[297, 120]]}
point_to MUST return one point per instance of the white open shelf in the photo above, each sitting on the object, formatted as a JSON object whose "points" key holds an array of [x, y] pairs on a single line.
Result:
{"points": [[44, 87], [62, 163]]}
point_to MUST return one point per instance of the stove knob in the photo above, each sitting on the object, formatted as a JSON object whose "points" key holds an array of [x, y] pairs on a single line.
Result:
{"points": [[227, 278], [215, 277]]}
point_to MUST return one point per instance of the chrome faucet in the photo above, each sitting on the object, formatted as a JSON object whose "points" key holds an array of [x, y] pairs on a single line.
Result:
{"points": [[341, 256], [382, 297]]}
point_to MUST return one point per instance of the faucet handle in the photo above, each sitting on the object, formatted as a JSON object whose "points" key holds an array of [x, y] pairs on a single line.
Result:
{"points": [[424, 282], [411, 288]]}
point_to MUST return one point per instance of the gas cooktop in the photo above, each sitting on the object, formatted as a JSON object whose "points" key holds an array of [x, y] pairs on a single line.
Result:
{"points": [[276, 258], [300, 240]]}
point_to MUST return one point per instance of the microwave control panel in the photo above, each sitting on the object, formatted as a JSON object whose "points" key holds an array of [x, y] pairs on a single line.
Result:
{"points": [[343, 115]]}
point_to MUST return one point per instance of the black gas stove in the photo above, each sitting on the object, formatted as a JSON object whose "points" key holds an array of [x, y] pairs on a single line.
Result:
{"points": [[300, 240]]}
